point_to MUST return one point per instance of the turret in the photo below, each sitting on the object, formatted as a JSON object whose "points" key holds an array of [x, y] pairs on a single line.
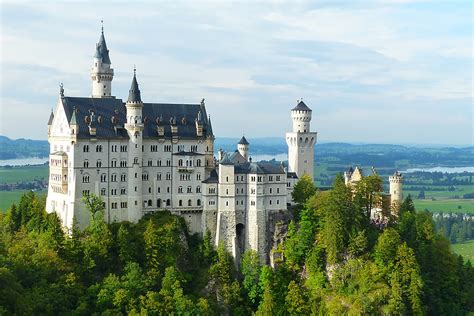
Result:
{"points": [[301, 141], [243, 148], [301, 117], [134, 127], [396, 191], [101, 73]]}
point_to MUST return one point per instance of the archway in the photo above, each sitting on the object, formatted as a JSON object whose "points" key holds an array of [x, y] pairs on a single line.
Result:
{"points": [[240, 232]]}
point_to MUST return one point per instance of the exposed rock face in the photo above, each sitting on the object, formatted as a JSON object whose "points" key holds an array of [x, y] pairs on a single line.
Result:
{"points": [[277, 229]]}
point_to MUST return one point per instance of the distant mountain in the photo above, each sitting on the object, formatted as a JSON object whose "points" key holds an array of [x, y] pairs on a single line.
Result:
{"points": [[22, 148], [378, 155]]}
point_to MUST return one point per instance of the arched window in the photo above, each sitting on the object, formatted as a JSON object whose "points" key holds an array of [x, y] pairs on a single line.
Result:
{"points": [[198, 189], [198, 163], [198, 202], [189, 203], [180, 162], [168, 202], [180, 202], [158, 203]]}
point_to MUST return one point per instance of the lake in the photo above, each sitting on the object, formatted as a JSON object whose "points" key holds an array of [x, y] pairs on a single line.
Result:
{"points": [[23, 161]]}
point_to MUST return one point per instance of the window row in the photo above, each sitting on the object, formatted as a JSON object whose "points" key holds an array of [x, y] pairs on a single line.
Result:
{"points": [[189, 189]]}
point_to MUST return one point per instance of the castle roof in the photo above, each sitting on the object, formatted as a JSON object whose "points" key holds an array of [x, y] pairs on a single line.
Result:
{"points": [[213, 177], [134, 93], [301, 106], [101, 50], [243, 141], [110, 114], [51, 118], [259, 168]]}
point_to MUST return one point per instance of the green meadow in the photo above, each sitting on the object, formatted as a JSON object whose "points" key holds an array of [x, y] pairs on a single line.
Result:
{"points": [[465, 249], [23, 173]]}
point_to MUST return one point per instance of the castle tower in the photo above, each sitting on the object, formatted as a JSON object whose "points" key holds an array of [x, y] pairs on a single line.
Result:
{"points": [[243, 148], [396, 191], [226, 218], [101, 73], [301, 141], [134, 127]]}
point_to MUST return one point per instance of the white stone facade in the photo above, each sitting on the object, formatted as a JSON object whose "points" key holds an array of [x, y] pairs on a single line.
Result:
{"points": [[301, 141], [142, 157]]}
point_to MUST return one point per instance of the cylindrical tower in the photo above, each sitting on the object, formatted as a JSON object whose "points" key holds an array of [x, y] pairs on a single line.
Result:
{"points": [[301, 117], [396, 191], [101, 73], [243, 148], [134, 127], [301, 141]]}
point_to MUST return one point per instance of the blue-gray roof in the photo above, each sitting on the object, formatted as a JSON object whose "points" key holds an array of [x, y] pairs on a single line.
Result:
{"points": [[243, 141], [259, 168], [101, 50], [213, 177], [110, 114], [134, 93], [301, 106], [226, 160], [51, 118]]}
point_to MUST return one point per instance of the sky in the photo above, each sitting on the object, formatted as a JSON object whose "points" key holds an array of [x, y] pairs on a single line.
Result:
{"points": [[386, 71]]}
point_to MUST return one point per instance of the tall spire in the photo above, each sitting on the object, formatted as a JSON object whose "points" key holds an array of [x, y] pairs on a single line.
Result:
{"points": [[101, 50], [134, 94]]}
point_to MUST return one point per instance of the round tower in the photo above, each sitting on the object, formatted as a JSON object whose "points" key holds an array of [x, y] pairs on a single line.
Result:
{"points": [[243, 148], [396, 191], [301, 117], [301, 141], [134, 127], [101, 73]]}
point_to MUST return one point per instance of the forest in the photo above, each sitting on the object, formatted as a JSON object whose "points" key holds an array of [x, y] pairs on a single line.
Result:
{"points": [[334, 261]]}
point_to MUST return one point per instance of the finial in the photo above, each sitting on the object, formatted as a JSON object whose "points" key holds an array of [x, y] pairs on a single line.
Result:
{"points": [[61, 89], [102, 22], [134, 70], [202, 101]]}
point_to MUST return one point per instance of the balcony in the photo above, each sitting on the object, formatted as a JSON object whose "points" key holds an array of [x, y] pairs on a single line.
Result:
{"points": [[185, 169]]}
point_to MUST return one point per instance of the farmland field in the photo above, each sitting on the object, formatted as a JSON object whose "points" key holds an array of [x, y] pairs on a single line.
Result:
{"points": [[465, 249], [23, 173], [7, 198], [446, 206]]}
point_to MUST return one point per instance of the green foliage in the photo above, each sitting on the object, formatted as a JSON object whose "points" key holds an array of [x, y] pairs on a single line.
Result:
{"points": [[335, 262], [303, 189], [251, 269]]}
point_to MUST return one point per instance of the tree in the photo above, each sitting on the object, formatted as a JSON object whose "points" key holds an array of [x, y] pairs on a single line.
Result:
{"points": [[368, 195], [337, 223], [222, 274], [267, 304], [125, 245], [296, 300], [303, 189], [97, 240], [152, 253], [250, 268], [421, 195]]}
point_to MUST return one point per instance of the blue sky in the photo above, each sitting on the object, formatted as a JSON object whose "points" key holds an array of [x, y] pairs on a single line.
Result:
{"points": [[387, 71]]}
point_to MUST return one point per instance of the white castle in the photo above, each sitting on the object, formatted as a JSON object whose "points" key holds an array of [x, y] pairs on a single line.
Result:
{"points": [[149, 157]]}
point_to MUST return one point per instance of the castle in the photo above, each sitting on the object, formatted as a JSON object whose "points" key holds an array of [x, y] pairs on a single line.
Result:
{"points": [[148, 157]]}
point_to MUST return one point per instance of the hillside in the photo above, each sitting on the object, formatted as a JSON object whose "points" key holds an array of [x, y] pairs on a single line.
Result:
{"points": [[22, 148]]}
